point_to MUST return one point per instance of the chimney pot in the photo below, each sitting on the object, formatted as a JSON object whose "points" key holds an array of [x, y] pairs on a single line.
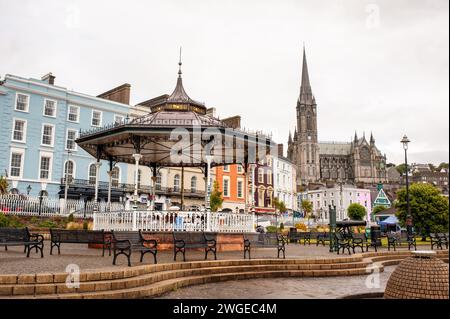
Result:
{"points": [[49, 78]]}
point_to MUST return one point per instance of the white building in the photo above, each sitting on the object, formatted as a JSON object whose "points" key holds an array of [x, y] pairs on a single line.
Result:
{"points": [[338, 196], [284, 180]]}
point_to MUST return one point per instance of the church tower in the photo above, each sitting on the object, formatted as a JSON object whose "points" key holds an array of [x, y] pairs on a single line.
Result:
{"points": [[307, 158]]}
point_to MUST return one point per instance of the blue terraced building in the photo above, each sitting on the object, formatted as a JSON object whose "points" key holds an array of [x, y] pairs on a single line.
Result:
{"points": [[39, 124]]}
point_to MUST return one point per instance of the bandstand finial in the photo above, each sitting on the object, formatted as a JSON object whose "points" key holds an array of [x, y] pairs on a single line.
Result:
{"points": [[179, 65]]}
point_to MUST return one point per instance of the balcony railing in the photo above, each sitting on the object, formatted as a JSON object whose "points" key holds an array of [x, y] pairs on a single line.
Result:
{"points": [[129, 188]]}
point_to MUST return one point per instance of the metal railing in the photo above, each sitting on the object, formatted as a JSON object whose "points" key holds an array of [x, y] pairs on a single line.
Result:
{"points": [[48, 207], [174, 221], [159, 190]]}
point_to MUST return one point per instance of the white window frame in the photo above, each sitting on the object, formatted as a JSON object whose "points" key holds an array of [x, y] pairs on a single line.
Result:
{"points": [[27, 109], [74, 168], [226, 178], [240, 180], [43, 109], [67, 137], [53, 134], [89, 175], [24, 140], [118, 122], [226, 168], [269, 177], [116, 167], [240, 169], [22, 152], [50, 166], [78, 113], [101, 118]]}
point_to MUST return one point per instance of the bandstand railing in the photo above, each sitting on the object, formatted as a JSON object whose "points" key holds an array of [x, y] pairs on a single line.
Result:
{"points": [[174, 221]]}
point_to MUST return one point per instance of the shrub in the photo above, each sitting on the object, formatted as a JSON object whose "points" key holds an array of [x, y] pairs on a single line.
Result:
{"points": [[281, 226], [15, 222], [271, 229], [301, 227], [4, 220], [74, 226], [85, 225], [70, 218], [47, 224]]}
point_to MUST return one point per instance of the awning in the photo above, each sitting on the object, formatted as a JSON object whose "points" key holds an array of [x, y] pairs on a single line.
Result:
{"points": [[391, 220]]}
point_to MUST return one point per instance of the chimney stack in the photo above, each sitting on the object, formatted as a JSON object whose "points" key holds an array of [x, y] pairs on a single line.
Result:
{"points": [[119, 94], [280, 150], [49, 78]]}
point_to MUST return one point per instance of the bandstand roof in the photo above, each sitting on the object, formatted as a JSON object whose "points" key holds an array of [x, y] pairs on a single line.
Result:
{"points": [[176, 132]]}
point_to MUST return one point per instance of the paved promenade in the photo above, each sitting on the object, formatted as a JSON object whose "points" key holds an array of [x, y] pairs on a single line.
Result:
{"points": [[14, 261]]}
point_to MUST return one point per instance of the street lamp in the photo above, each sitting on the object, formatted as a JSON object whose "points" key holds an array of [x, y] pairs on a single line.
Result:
{"points": [[405, 142], [28, 189]]}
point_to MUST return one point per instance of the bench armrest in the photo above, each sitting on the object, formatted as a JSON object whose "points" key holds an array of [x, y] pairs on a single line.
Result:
{"points": [[153, 243], [38, 237], [179, 242], [210, 242]]}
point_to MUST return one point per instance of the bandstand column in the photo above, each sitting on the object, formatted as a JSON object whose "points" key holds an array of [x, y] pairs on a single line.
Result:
{"points": [[97, 173], [137, 157], [110, 172], [208, 183]]}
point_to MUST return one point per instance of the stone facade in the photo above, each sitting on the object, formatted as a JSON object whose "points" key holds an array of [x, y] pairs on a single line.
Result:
{"points": [[354, 162]]}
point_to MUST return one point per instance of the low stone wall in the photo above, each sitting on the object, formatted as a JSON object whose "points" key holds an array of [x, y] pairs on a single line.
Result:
{"points": [[225, 241]]}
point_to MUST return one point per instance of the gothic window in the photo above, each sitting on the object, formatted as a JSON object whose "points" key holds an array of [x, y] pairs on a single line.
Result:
{"points": [[309, 122], [365, 156]]}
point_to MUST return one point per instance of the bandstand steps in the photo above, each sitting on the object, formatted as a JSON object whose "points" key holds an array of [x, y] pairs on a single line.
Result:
{"points": [[154, 280], [145, 279], [161, 287]]}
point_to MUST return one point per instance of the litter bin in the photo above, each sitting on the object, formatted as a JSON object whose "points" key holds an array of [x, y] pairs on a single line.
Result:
{"points": [[375, 235]]}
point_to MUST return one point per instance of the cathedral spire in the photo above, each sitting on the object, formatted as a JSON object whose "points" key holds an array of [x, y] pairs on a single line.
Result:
{"points": [[372, 140], [305, 88], [290, 137], [356, 137]]}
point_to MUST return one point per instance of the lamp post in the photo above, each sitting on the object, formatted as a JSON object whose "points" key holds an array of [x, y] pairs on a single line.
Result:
{"points": [[41, 197], [66, 180], [405, 142], [28, 189]]}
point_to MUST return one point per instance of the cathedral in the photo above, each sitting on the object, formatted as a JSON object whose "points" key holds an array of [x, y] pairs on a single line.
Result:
{"points": [[355, 162]]}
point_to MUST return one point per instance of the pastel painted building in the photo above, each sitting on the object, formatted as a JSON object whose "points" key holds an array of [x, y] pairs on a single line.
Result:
{"points": [[231, 180], [40, 122], [338, 196], [284, 180]]}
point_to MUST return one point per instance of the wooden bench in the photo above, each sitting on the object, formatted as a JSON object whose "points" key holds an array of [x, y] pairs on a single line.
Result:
{"points": [[264, 240], [19, 237], [342, 242], [361, 241], [322, 238], [59, 236], [124, 242], [437, 239], [405, 238], [194, 240], [392, 240]]}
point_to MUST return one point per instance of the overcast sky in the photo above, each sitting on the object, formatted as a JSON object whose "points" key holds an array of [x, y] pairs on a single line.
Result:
{"points": [[380, 66]]}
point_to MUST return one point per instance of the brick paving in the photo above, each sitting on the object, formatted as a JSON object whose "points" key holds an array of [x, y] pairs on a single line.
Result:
{"points": [[14, 260], [284, 288]]}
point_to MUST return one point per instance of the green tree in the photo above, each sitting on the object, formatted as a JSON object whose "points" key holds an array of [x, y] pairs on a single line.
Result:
{"points": [[279, 205], [356, 211], [215, 199], [441, 166], [402, 168], [307, 207], [3, 185], [378, 209], [429, 209], [432, 167]]}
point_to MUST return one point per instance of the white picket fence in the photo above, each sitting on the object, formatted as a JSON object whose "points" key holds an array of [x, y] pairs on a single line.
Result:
{"points": [[174, 221], [47, 207]]}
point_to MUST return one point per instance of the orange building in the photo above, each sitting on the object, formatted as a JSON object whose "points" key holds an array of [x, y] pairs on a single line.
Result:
{"points": [[231, 179]]}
